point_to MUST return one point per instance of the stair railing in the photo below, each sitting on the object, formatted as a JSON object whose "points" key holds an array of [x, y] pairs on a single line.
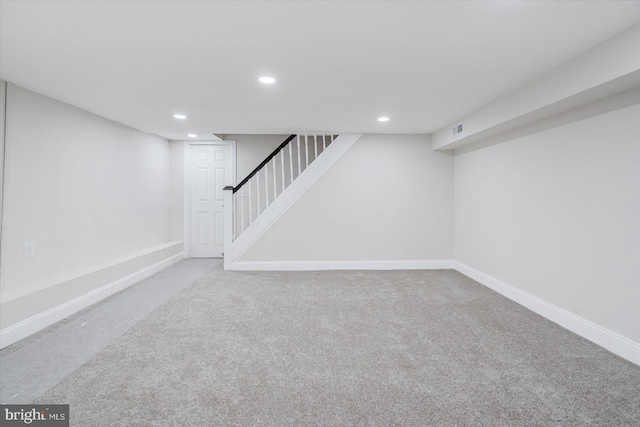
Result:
{"points": [[272, 176]]}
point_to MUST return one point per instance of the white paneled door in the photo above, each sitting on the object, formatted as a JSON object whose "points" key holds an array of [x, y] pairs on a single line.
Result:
{"points": [[209, 172]]}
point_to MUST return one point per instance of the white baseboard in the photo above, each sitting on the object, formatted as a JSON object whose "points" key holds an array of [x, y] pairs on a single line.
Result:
{"points": [[612, 341], [40, 321], [342, 265]]}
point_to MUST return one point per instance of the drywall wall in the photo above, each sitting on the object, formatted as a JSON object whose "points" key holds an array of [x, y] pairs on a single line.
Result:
{"points": [[3, 87], [89, 193], [251, 150], [605, 70], [176, 192], [390, 197], [555, 214]]}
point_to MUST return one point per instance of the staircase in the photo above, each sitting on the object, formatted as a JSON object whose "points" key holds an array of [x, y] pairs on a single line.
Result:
{"points": [[254, 205]]}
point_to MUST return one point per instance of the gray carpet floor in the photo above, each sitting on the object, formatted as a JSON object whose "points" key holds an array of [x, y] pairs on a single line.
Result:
{"points": [[348, 348]]}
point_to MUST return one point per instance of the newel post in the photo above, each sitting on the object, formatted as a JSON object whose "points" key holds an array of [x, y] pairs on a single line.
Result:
{"points": [[228, 226]]}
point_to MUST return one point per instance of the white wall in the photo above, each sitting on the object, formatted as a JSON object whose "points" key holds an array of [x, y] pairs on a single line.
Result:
{"points": [[605, 70], [176, 193], [390, 197], [557, 215], [3, 86], [88, 192]]}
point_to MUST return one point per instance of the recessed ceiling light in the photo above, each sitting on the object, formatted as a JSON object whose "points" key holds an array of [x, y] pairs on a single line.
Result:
{"points": [[267, 80], [383, 119], [179, 116], [192, 135]]}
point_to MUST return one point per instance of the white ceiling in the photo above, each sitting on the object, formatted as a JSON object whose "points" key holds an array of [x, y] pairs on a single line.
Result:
{"points": [[339, 65]]}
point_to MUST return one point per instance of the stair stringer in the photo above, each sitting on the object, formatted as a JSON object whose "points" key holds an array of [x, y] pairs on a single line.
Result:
{"points": [[281, 205]]}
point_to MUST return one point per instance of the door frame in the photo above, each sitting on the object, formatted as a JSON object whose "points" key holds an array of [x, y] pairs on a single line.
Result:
{"points": [[186, 247]]}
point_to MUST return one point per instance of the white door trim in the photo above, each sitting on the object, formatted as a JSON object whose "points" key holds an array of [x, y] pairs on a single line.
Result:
{"points": [[186, 199]]}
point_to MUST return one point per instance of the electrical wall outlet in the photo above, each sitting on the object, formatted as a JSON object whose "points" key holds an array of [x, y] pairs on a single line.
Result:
{"points": [[29, 249]]}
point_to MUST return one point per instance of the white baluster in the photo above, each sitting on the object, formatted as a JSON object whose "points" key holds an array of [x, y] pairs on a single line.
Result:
{"points": [[324, 143], [291, 161], [236, 217], [315, 145], [282, 167], [275, 184], [266, 186], [234, 212], [241, 198], [258, 193], [250, 210], [306, 150], [299, 163]]}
